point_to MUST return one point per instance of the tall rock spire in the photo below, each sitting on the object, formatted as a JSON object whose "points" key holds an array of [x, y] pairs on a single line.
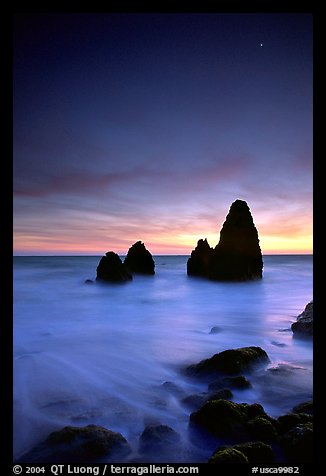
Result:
{"points": [[237, 256]]}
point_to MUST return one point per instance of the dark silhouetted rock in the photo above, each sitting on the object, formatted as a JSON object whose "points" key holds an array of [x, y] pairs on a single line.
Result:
{"points": [[290, 420], [79, 444], [89, 281], [237, 256], [139, 259], [232, 361], [111, 269], [304, 324], [297, 443], [305, 407], [199, 261], [261, 428]]}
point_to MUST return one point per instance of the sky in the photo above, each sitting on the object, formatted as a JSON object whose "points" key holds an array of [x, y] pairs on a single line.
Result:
{"points": [[130, 126]]}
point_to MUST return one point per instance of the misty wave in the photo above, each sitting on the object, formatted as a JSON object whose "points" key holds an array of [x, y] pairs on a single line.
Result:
{"points": [[112, 355]]}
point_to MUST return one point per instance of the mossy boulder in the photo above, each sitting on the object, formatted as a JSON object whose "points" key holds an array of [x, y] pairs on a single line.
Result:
{"points": [[254, 452], [241, 421], [290, 420], [261, 428], [228, 455], [231, 361], [79, 444]]}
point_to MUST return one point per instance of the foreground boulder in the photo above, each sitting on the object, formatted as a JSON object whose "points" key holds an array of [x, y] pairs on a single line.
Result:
{"points": [[139, 260], [252, 453], [304, 324], [111, 269], [297, 443], [237, 256], [232, 361], [79, 444], [236, 421], [256, 435]]}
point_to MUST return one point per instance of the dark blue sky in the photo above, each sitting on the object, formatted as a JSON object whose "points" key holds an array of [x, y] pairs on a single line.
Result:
{"points": [[148, 126]]}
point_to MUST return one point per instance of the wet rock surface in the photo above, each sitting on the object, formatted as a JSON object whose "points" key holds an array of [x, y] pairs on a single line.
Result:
{"points": [[231, 361], [79, 444], [303, 327]]}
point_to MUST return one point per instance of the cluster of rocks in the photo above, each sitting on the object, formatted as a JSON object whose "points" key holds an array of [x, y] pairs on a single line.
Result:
{"points": [[95, 444], [138, 261], [237, 256], [248, 433], [303, 327]]}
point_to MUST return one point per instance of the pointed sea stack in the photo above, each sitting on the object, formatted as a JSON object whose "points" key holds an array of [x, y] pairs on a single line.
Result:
{"points": [[139, 260], [198, 263], [237, 257], [111, 269]]}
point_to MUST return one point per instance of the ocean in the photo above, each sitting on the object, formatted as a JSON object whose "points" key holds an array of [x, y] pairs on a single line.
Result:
{"points": [[102, 353]]}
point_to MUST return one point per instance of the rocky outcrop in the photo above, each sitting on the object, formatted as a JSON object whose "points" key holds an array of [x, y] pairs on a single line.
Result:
{"points": [[111, 269], [237, 256], [79, 444], [287, 439], [231, 361], [139, 259], [199, 261], [304, 324]]}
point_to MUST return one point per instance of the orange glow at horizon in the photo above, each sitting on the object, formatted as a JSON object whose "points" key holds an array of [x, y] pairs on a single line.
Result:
{"points": [[162, 243]]}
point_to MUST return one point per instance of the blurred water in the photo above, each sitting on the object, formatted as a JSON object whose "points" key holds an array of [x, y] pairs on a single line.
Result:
{"points": [[95, 353]]}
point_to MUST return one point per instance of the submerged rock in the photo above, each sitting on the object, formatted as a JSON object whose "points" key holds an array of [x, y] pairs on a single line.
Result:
{"points": [[239, 382], [232, 361], [197, 400], [157, 437], [304, 324], [237, 256], [79, 444], [139, 259], [111, 269]]}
